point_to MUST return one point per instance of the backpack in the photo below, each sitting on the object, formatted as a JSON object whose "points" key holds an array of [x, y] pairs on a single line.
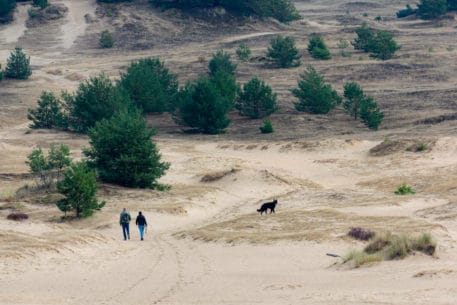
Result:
{"points": [[125, 218]]}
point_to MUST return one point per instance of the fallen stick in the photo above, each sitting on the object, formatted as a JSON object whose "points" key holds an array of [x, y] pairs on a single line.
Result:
{"points": [[333, 255]]}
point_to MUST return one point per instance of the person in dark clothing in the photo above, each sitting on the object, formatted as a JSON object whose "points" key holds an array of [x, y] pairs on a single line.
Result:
{"points": [[124, 221], [141, 223]]}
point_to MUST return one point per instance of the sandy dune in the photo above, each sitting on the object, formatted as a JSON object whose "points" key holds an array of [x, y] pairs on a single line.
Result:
{"points": [[206, 244]]}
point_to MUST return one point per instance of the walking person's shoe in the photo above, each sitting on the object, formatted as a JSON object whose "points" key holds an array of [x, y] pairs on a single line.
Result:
{"points": [[142, 238], [129, 236]]}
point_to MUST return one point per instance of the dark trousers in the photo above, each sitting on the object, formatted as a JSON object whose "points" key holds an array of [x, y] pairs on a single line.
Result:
{"points": [[126, 230]]}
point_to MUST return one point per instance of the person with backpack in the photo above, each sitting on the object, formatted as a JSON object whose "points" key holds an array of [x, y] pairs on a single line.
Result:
{"points": [[141, 223], [124, 221]]}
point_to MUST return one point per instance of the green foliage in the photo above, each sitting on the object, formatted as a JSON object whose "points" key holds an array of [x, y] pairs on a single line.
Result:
{"points": [[282, 10], [6, 6], [408, 11], [364, 36], [95, 99], [123, 153], [421, 147], [49, 114], [315, 96], [18, 65], [404, 189], [256, 99], [106, 40], [1, 72], [41, 3], [243, 52], [354, 97], [79, 186], [317, 48], [150, 85], [382, 45], [220, 62], [431, 9], [378, 18], [200, 105], [370, 113], [452, 5], [226, 84], [283, 52], [48, 168], [267, 127]]}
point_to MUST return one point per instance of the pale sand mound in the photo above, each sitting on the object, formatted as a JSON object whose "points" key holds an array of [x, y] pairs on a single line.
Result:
{"points": [[10, 33]]}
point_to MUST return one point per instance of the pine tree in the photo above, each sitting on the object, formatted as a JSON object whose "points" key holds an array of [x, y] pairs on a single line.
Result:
{"points": [[354, 96], [283, 52], [79, 186], [317, 48], [18, 65], [49, 113], [256, 99], [122, 151], [315, 96], [370, 113]]}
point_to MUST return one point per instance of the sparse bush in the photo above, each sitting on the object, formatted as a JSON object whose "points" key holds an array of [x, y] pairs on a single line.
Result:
{"points": [[267, 126], [41, 3], [18, 65], [364, 36], [201, 106], [343, 44], [317, 48], [315, 96], [150, 85], [220, 62], [404, 189], [421, 147], [283, 53], [361, 234], [379, 243], [370, 114], [361, 258], [424, 243], [48, 169], [408, 11], [106, 40], [95, 99], [79, 186], [398, 248], [17, 216], [49, 114], [431, 9], [122, 151], [378, 18], [243, 52], [256, 99]]}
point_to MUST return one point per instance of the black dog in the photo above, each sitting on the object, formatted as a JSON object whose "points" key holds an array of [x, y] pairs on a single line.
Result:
{"points": [[268, 205]]}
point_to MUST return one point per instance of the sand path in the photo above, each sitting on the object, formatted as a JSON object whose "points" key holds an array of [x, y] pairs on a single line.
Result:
{"points": [[75, 24], [12, 32]]}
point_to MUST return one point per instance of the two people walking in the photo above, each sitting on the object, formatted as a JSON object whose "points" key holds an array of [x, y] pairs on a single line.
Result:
{"points": [[124, 221]]}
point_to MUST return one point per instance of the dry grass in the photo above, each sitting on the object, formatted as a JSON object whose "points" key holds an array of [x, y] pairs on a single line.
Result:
{"points": [[316, 225], [389, 146], [360, 258], [217, 175]]}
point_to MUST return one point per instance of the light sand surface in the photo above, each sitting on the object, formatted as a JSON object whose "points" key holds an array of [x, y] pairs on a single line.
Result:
{"points": [[205, 243]]}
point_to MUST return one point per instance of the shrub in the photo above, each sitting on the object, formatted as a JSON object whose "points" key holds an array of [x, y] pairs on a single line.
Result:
{"points": [[361, 234], [421, 147], [283, 53], [79, 187], [404, 189], [41, 3], [408, 11], [48, 169], [220, 62], [16, 216], [18, 65], [200, 105], [431, 9], [122, 151], [94, 100], [382, 45], [226, 85], [256, 99], [314, 95], [243, 52], [361, 258], [452, 5], [379, 243], [354, 97], [317, 48], [424, 243], [364, 36], [343, 45], [267, 127], [398, 248], [370, 113], [150, 85], [106, 40], [49, 113]]}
